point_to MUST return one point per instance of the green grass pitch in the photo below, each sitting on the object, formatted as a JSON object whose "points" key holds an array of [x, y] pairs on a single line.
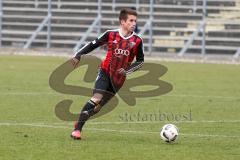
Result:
{"points": [[206, 98]]}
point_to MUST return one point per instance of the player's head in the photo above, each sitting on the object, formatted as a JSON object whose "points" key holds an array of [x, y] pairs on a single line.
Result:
{"points": [[128, 19]]}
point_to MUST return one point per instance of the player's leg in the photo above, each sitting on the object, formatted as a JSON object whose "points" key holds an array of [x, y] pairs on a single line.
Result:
{"points": [[90, 108], [93, 105]]}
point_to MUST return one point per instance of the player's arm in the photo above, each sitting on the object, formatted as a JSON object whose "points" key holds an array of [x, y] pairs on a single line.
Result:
{"points": [[139, 60], [101, 40]]}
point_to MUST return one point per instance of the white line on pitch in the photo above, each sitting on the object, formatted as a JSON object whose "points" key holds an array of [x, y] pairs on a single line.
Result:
{"points": [[119, 122], [154, 122], [168, 95], [110, 130], [151, 122], [201, 96], [28, 93], [148, 132]]}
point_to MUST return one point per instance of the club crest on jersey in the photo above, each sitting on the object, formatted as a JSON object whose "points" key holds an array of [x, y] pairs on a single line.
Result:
{"points": [[115, 41], [132, 44], [118, 52]]}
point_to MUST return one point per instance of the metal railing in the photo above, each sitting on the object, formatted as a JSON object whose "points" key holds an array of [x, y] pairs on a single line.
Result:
{"points": [[96, 22], [90, 29], [194, 6], [147, 28], [191, 39], [114, 5], [237, 54], [1, 15], [46, 20], [204, 14], [201, 28]]}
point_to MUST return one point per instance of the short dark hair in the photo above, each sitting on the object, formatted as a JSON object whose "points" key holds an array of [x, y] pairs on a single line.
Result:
{"points": [[125, 12]]}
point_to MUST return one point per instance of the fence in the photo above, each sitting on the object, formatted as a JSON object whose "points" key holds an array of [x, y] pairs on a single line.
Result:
{"points": [[167, 26]]}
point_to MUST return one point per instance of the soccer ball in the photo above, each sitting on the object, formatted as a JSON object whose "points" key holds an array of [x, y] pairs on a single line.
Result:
{"points": [[169, 133]]}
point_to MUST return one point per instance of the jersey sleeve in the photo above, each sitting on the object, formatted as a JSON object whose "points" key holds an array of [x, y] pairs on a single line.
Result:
{"points": [[139, 60], [89, 47]]}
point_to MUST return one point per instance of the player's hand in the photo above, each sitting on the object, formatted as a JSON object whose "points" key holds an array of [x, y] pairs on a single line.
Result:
{"points": [[122, 71], [75, 62]]}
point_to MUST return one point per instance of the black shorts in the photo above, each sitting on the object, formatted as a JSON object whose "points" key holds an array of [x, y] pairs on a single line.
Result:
{"points": [[103, 84]]}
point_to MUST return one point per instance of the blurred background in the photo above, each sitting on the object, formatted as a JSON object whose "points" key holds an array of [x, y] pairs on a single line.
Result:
{"points": [[202, 29], [204, 102]]}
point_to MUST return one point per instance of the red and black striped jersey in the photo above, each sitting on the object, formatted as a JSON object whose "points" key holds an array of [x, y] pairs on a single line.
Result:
{"points": [[121, 51]]}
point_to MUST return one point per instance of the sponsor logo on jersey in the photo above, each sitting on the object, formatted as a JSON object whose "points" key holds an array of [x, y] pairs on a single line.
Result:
{"points": [[118, 52]]}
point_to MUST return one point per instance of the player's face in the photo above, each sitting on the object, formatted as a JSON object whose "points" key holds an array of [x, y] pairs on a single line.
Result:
{"points": [[130, 24]]}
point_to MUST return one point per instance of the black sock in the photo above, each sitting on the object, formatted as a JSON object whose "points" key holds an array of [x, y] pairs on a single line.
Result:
{"points": [[87, 111]]}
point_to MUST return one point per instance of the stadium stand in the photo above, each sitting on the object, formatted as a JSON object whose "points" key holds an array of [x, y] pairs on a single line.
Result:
{"points": [[174, 22]]}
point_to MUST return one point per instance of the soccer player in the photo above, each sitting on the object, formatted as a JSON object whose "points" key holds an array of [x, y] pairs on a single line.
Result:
{"points": [[123, 46]]}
